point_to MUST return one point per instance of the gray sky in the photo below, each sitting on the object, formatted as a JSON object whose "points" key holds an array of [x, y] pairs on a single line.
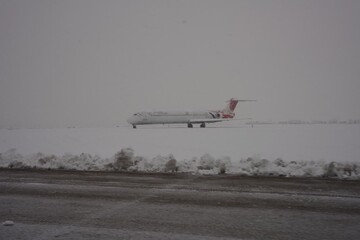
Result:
{"points": [[92, 63]]}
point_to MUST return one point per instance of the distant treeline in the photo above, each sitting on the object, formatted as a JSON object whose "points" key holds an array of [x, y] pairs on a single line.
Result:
{"points": [[356, 121]]}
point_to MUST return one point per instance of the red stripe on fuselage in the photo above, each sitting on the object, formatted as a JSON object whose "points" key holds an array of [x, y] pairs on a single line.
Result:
{"points": [[224, 115]]}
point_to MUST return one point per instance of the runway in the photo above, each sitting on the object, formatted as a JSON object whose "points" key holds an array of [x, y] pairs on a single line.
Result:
{"points": [[109, 205]]}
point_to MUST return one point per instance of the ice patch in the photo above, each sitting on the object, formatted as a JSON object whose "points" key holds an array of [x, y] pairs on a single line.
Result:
{"points": [[126, 160]]}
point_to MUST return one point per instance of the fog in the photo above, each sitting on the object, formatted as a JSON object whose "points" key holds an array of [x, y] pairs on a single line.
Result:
{"points": [[90, 63]]}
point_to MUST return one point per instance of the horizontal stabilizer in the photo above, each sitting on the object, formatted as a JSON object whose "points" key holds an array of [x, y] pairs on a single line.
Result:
{"points": [[243, 100]]}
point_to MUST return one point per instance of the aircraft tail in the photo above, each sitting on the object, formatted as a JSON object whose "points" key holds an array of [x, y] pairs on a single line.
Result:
{"points": [[230, 106], [232, 103]]}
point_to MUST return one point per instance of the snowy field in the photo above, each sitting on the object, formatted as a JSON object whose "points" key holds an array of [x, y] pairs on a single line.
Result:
{"points": [[290, 150]]}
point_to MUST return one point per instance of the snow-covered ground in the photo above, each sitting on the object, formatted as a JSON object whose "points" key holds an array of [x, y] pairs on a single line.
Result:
{"points": [[264, 149]]}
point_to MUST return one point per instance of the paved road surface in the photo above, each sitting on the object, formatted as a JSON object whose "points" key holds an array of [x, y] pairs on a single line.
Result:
{"points": [[89, 205]]}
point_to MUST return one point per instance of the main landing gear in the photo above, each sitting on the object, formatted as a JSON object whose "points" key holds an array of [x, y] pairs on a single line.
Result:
{"points": [[134, 126], [202, 125]]}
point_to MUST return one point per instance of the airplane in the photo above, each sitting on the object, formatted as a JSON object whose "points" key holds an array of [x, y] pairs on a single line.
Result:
{"points": [[189, 118]]}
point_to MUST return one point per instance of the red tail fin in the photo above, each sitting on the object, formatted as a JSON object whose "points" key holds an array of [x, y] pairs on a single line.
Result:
{"points": [[232, 103], [230, 107]]}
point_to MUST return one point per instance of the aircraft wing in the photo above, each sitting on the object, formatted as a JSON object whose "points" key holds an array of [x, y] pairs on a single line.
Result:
{"points": [[213, 120], [208, 120]]}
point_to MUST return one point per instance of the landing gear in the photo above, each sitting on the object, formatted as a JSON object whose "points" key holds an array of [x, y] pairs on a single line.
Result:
{"points": [[202, 125], [134, 126], [190, 125]]}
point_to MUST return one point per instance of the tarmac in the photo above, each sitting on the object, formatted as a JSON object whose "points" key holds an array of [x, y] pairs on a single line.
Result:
{"points": [[43, 204]]}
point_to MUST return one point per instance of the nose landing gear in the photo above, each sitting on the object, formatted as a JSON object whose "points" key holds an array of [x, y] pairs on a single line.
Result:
{"points": [[202, 125]]}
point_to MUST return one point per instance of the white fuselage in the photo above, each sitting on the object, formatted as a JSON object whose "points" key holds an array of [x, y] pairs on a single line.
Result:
{"points": [[169, 117]]}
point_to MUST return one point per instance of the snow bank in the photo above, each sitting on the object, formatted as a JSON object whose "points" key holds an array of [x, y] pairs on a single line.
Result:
{"points": [[126, 160]]}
